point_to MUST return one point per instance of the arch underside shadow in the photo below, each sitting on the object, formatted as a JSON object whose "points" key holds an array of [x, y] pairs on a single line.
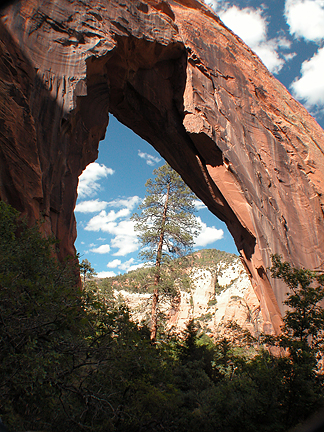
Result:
{"points": [[151, 103], [205, 102]]}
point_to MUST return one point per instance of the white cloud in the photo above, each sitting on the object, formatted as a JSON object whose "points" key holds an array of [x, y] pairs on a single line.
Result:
{"points": [[99, 221], [305, 18], [125, 238], [88, 180], [103, 220], [251, 26], [129, 203], [90, 206], [199, 205], [289, 56], [135, 267], [103, 249], [247, 23], [284, 43], [208, 235], [267, 51], [113, 264], [106, 274], [310, 86], [215, 4], [127, 264], [150, 160]]}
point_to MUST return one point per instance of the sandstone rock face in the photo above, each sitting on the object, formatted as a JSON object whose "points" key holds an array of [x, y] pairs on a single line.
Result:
{"points": [[172, 72], [213, 305]]}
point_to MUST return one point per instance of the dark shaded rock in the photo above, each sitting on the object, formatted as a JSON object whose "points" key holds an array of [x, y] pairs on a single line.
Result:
{"points": [[173, 73]]}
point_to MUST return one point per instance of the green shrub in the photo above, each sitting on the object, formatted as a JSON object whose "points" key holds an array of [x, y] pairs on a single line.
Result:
{"points": [[70, 361]]}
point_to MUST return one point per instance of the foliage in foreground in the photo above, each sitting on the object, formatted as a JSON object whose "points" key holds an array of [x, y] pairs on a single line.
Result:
{"points": [[70, 361]]}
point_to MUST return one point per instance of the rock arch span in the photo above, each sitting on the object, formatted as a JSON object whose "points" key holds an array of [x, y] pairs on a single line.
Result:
{"points": [[173, 73]]}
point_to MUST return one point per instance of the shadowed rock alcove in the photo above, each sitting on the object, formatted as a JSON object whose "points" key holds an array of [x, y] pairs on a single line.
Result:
{"points": [[175, 75]]}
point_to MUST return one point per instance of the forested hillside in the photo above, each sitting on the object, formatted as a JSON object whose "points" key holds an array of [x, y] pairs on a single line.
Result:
{"points": [[210, 286], [73, 360]]}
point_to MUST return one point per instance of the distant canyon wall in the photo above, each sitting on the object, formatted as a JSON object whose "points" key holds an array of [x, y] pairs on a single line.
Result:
{"points": [[174, 74], [219, 296]]}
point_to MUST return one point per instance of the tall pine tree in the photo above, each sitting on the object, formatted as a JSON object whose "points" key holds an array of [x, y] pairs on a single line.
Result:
{"points": [[166, 225]]}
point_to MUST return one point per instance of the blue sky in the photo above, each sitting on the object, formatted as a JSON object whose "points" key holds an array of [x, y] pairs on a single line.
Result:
{"points": [[288, 36]]}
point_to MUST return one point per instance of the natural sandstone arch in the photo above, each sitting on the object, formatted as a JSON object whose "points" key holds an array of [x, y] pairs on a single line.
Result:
{"points": [[173, 73]]}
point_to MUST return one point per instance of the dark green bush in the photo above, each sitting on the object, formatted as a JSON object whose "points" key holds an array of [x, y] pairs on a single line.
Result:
{"points": [[70, 361]]}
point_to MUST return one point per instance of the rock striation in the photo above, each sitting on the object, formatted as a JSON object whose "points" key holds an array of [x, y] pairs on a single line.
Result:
{"points": [[173, 73], [219, 295]]}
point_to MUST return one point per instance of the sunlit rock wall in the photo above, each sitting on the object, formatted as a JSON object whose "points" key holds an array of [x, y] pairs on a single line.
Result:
{"points": [[180, 79]]}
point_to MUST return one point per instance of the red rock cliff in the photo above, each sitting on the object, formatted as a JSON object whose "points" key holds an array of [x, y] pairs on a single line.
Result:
{"points": [[173, 73]]}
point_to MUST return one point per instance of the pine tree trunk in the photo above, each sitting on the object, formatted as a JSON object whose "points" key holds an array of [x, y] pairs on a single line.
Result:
{"points": [[155, 301]]}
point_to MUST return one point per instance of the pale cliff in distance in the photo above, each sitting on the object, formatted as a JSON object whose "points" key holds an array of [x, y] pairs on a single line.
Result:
{"points": [[220, 293]]}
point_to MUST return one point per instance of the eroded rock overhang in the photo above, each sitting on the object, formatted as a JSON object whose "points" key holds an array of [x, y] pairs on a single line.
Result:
{"points": [[174, 74]]}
